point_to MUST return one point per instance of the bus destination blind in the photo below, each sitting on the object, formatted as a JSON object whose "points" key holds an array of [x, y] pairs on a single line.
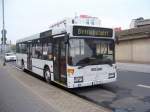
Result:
{"points": [[46, 33], [92, 31]]}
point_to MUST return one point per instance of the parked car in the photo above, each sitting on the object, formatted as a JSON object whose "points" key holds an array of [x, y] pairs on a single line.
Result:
{"points": [[10, 57]]}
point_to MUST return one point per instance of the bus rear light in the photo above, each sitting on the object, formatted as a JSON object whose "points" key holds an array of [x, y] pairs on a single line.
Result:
{"points": [[70, 71]]}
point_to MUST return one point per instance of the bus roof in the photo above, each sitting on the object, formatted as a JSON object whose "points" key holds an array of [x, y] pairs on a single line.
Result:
{"points": [[35, 36], [72, 29]]}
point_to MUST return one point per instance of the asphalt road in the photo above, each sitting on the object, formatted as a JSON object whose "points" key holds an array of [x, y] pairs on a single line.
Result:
{"points": [[131, 93], [16, 98]]}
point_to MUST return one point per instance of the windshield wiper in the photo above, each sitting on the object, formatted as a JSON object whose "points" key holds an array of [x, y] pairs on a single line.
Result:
{"points": [[93, 61], [87, 62], [109, 62]]}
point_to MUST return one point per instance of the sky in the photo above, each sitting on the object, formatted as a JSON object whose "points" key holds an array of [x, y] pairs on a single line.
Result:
{"points": [[27, 17]]}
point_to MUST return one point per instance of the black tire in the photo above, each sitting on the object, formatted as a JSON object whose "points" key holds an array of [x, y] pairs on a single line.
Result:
{"points": [[47, 75]]}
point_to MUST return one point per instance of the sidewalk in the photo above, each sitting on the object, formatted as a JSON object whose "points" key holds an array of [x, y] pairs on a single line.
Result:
{"points": [[134, 67], [59, 99]]}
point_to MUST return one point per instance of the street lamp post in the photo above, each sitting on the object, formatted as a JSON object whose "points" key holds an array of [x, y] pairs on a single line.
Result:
{"points": [[3, 22], [3, 39]]}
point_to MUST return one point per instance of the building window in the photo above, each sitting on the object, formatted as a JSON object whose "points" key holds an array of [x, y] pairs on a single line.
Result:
{"points": [[87, 21], [92, 21]]}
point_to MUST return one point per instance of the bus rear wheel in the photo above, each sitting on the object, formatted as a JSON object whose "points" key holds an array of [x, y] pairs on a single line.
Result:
{"points": [[47, 75]]}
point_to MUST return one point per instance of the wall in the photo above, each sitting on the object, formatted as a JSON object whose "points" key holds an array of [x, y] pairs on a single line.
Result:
{"points": [[134, 51]]}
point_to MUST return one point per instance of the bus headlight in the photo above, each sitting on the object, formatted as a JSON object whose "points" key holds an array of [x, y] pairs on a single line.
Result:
{"points": [[111, 75], [78, 79]]}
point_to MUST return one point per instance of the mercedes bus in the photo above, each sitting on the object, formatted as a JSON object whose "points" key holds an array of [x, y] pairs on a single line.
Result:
{"points": [[72, 55]]}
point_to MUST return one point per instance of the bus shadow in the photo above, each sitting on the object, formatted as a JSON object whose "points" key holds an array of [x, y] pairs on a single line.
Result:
{"points": [[34, 75], [43, 80]]}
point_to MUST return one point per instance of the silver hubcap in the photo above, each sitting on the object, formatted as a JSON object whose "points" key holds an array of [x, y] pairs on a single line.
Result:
{"points": [[47, 76]]}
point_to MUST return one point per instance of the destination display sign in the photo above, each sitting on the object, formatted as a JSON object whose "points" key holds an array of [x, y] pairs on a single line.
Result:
{"points": [[92, 31], [46, 34]]}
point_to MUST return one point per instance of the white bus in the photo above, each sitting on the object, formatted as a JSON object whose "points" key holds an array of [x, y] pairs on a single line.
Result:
{"points": [[72, 56]]}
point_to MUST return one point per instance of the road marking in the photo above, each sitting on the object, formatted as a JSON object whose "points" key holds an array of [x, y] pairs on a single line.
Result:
{"points": [[145, 86]]}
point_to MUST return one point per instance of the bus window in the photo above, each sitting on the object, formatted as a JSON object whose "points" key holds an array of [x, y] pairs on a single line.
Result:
{"points": [[17, 48], [47, 51], [37, 50], [33, 51], [77, 47], [24, 48], [50, 51]]}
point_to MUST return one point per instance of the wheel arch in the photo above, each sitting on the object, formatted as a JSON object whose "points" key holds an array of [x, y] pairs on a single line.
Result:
{"points": [[46, 67], [44, 70]]}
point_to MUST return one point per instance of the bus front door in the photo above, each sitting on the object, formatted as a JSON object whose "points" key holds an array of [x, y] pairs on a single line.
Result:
{"points": [[29, 57], [59, 59]]}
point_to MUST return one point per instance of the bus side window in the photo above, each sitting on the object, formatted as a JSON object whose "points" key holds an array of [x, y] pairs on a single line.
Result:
{"points": [[24, 48], [33, 51], [45, 51], [38, 50], [50, 51], [17, 48]]}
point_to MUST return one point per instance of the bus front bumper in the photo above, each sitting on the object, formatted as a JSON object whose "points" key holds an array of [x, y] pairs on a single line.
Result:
{"points": [[91, 83]]}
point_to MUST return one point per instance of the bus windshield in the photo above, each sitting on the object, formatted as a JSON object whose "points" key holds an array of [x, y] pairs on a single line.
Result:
{"points": [[87, 51]]}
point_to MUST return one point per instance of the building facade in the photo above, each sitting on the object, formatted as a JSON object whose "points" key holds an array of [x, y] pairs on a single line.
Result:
{"points": [[139, 22], [134, 45]]}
